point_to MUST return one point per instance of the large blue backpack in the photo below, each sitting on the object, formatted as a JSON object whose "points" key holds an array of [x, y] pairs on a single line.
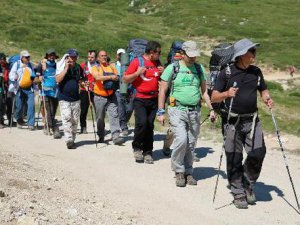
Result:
{"points": [[136, 48], [12, 60]]}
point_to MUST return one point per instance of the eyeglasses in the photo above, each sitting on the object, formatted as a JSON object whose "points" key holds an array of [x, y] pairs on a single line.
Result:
{"points": [[253, 51], [27, 57]]}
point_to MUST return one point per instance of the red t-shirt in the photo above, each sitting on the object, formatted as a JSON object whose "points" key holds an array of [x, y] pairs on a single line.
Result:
{"points": [[87, 75], [147, 85]]}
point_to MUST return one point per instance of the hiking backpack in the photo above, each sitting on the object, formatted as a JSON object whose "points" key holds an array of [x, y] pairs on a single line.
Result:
{"points": [[12, 60], [221, 58], [175, 48], [136, 48]]}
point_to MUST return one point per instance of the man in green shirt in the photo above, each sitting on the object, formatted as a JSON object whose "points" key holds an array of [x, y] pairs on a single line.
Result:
{"points": [[188, 86]]}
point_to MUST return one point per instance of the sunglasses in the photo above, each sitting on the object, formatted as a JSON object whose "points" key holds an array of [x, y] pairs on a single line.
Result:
{"points": [[253, 51]]}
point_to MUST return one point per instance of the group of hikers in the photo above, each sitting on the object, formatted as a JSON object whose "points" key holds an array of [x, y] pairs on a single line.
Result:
{"points": [[150, 86]]}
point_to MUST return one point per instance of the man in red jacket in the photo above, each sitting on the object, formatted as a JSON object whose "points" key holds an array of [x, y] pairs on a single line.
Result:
{"points": [[145, 79]]}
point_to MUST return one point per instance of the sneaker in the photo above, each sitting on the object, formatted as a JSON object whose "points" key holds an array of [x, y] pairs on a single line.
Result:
{"points": [[240, 202], [31, 128], [250, 196], [101, 140], [180, 180], [71, 145], [138, 155], [83, 130], [118, 140], [125, 133], [148, 159], [190, 180], [56, 133]]}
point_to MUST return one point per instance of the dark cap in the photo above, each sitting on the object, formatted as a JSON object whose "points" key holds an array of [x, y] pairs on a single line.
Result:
{"points": [[2, 55], [72, 52], [51, 51]]}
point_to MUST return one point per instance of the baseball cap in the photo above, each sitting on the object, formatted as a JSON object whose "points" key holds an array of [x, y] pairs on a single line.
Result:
{"points": [[72, 52], [120, 50], [191, 49], [24, 53]]}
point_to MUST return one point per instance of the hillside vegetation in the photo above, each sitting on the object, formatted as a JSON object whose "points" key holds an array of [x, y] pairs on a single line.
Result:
{"points": [[37, 25]]}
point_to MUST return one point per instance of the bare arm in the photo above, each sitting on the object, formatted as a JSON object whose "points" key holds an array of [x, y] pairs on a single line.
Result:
{"points": [[265, 95], [62, 75], [129, 78], [98, 75], [163, 88], [207, 100], [217, 96]]}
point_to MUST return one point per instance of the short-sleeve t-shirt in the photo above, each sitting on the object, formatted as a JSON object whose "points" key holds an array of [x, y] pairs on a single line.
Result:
{"points": [[146, 85], [186, 87], [68, 88], [249, 81]]}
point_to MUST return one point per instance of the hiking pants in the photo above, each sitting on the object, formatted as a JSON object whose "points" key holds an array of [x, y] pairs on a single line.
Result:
{"points": [[144, 112], [125, 108], [109, 104], [84, 106], [185, 125], [241, 176], [22, 96], [70, 112], [51, 104]]}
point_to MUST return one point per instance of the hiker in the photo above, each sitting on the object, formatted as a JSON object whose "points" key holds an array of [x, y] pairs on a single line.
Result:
{"points": [[244, 128], [106, 83], [86, 89], [145, 80], [22, 75], [125, 101], [184, 110], [68, 75], [46, 72]]}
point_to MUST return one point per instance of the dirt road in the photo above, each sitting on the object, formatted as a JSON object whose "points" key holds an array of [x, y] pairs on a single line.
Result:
{"points": [[44, 183]]}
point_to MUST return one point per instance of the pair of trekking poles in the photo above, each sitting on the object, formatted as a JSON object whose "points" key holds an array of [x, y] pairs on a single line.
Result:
{"points": [[281, 147]]}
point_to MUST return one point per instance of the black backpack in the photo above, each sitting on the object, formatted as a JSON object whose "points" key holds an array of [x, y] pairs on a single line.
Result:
{"points": [[221, 57]]}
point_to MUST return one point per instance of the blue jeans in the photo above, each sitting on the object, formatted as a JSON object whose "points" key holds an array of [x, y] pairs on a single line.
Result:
{"points": [[21, 97]]}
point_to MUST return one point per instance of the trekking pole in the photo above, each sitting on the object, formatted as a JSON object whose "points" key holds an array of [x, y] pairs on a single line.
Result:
{"points": [[38, 115], [45, 111], [91, 107], [12, 113], [204, 120], [223, 147], [284, 157]]}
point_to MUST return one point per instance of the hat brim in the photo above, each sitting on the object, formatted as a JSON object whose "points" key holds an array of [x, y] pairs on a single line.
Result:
{"points": [[245, 50], [193, 53]]}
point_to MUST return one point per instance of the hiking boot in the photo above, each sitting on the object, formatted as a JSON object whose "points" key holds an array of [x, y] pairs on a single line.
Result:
{"points": [[148, 159], [190, 180], [71, 145], [31, 128], [56, 133], [166, 151], [101, 140], [250, 196], [138, 155], [240, 202], [83, 130], [180, 180], [1, 126], [118, 140], [125, 132]]}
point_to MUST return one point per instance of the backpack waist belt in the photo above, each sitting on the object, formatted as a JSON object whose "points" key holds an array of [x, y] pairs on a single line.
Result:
{"points": [[245, 116]]}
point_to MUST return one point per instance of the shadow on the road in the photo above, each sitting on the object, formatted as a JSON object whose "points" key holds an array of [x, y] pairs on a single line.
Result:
{"points": [[202, 152], [263, 193], [86, 142], [202, 173]]}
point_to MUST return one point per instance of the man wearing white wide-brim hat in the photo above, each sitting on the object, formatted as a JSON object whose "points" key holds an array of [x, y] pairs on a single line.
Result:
{"points": [[243, 129]]}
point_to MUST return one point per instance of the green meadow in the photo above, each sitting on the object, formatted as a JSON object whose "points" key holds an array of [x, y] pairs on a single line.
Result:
{"points": [[38, 25]]}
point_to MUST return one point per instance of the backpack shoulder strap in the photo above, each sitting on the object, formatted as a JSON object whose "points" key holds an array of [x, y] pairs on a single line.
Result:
{"points": [[198, 69], [141, 61], [175, 71]]}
